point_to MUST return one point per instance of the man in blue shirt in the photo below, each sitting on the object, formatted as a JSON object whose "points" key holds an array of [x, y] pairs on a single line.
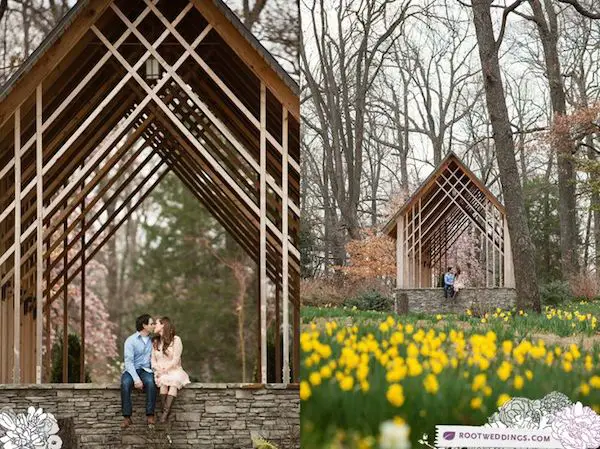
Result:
{"points": [[449, 283], [138, 373]]}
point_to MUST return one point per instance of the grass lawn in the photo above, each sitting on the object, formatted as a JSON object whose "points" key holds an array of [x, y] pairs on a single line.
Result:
{"points": [[361, 368]]}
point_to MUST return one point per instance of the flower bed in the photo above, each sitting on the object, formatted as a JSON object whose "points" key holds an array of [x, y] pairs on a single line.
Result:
{"points": [[356, 377]]}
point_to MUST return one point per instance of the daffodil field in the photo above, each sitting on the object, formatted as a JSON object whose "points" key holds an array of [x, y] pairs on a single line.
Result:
{"points": [[360, 369]]}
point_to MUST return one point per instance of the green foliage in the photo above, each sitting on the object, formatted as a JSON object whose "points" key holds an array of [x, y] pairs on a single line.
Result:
{"points": [[541, 203], [183, 280], [563, 321], [370, 300], [74, 360], [261, 443], [308, 249], [555, 293], [329, 408]]}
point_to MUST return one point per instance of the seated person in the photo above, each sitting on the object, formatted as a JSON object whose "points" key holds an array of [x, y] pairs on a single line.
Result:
{"points": [[449, 283]]}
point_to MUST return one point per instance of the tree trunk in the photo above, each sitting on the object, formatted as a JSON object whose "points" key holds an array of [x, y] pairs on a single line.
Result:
{"points": [[567, 208], [528, 295]]}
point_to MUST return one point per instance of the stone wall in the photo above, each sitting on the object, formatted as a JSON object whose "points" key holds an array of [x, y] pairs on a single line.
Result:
{"points": [[431, 300], [211, 416]]}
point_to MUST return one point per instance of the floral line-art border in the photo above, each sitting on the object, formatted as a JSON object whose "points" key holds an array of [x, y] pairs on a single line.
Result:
{"points": [[573, 424], [34, 429]]}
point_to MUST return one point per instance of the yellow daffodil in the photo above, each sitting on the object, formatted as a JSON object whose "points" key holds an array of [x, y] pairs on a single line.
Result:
{"points": [[395, 395], [305, 392]]}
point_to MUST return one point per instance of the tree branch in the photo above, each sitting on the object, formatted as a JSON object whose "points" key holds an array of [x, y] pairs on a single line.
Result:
{"points": [[505, 14], [3, 8], [580, 9], [591, 147]]}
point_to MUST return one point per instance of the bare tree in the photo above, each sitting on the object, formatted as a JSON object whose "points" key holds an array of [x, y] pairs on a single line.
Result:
{"points": [[528, 295], [445, 88], [546, 21], [251, 13], [582, 38], [349, 55]]}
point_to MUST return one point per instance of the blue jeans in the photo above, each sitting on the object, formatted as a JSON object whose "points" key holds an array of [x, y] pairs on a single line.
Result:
{"points": [[127, 387], [448, 291]]}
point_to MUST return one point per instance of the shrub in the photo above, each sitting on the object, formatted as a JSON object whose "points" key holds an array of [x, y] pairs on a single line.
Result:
{"points": [[73, 362], [585, 286], [555, 293], [370, 300], [320, 292]]}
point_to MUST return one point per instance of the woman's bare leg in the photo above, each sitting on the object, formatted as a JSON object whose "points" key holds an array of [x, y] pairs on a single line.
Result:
{"points": [[164, 389], [172, 391]]}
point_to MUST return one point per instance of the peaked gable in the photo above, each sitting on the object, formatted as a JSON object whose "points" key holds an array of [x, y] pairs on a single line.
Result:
{"points": [[78, 21], [429, 182]]}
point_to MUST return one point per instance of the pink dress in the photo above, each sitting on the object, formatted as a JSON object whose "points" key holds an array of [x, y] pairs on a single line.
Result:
{"points": [[167, 367]]}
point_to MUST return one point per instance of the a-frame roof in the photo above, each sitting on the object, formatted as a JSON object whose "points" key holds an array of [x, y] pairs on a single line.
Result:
{"points": [[430, 186], [73, 25], [122, 94], [223, 105]]}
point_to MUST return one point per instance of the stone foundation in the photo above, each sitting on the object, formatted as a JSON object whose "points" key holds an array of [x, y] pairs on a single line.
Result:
{"points": [[431, 300], [211, 416]]}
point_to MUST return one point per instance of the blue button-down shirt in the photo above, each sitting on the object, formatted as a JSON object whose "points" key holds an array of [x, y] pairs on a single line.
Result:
{"points": [[138, 352]]}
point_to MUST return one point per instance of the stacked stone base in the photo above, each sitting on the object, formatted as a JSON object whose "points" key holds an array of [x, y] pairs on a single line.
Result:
{"points": [[431, 300], [211, 416]]}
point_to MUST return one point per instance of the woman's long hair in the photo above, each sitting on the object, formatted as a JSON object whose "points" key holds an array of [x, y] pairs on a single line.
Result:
{"points": [[168, 334]]}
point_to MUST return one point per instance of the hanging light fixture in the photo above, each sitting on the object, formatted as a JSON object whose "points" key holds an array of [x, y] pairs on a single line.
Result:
{"points": [[152, 68]]}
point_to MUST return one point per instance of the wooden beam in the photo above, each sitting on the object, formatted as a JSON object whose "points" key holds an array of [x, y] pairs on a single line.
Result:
{"points": [[51, 58], [17, 254], [174, 119], [285, 247], [228, 93], [509, 270], [68, 210], [39, 236], [65, 271], [263, 233], [194, 97], [82, 351], [110, 219], [97, 214], [100, 154], [253, 59], [400, 256]]}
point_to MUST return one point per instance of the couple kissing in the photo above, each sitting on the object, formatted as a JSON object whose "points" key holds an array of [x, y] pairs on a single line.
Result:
{"points": [[152, 362]]}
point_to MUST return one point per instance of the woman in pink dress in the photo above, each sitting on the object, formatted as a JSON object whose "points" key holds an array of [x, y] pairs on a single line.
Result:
{"points": [[169, 376]]}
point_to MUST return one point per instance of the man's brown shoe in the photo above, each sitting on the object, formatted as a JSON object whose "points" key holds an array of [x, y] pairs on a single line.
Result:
{"points": [[151, 420], [126, 422]]}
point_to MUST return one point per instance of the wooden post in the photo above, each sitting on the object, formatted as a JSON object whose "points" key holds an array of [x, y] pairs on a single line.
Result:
{"points": [[420, 246], [82, 349], [297, 335], [285, 256], [40, 237], [509, 270], [263, 233], [65, 348], [17, 254], [400, 252], [494, 252], [413, 255], [48, 324], [278, 367], [487, 257]]}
